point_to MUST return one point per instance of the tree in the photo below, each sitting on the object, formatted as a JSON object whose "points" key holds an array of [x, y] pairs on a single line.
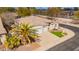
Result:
{"points": [[76, 8], [23, 11], [55, 11], [76, 14], [6, 9], [33, 10]]}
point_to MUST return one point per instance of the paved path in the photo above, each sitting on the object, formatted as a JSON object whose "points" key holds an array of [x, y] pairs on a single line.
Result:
{"points": [[69, 45]]}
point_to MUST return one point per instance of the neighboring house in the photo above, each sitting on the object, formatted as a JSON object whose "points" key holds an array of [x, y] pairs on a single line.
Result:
{"points": [[2, 32]]}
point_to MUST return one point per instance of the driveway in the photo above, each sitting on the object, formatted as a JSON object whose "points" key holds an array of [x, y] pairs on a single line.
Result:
{"points": [[69, 45]]}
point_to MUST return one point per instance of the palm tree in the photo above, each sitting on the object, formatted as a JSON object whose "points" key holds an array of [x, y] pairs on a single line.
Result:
{"points": [[26, 32]]}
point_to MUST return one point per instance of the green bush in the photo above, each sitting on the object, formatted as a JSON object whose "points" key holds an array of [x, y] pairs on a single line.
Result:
{"points": [[12, 42]]}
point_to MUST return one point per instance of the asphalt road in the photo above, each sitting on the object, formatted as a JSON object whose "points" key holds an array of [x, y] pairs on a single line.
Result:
{"points": [[69, 45]]}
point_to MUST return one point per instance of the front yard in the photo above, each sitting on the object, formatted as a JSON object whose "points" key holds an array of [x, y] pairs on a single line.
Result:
{"points": [[19, 35], [25, 37]]}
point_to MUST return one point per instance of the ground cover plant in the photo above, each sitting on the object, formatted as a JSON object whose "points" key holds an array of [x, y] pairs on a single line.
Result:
{"points": [[59, 33]]}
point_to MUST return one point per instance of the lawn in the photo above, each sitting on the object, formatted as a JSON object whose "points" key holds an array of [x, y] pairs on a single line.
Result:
{"points": [[59, 34]]}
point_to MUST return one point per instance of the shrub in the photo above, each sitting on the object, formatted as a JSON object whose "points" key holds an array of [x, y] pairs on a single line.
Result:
{"points": [[21, 34], [25, 32], [12, 42]]}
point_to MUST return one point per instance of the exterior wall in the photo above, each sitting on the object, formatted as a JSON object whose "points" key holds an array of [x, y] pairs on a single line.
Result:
{"points": [[2, 32], [3, 38]]}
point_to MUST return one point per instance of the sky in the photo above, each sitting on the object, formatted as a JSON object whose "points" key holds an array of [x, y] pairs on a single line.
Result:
{"points": [[42, 7], [47, 7]]}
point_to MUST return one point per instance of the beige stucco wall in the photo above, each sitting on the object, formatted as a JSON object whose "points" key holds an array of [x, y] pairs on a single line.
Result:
{"points": [[2, 32]]}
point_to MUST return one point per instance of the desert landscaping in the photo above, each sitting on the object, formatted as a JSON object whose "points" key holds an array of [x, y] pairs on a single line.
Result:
{"points": [[31, 29]]}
